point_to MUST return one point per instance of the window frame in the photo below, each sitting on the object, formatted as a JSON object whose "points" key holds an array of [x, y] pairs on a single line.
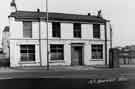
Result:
{"points": [[97, 51], [77, 31], [56, 29], [96, 31], [25, 32], [28, 51], [57, 50]]}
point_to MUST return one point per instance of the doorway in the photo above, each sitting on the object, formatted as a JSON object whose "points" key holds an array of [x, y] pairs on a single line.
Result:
{"points": [[77, 54]]}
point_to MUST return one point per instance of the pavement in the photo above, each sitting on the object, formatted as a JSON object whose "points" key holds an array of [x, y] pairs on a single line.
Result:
{"points": [[87, 72], [55, 68]]}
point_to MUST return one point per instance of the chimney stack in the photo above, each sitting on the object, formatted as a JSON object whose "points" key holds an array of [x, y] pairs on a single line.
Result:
{"points": [[13, 6], [99, 14]]}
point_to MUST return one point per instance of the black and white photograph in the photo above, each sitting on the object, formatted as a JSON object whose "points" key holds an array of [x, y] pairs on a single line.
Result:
{"points": [[67, 44]]}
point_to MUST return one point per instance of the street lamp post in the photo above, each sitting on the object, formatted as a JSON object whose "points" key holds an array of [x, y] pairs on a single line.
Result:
{"points": [[47, 34]]}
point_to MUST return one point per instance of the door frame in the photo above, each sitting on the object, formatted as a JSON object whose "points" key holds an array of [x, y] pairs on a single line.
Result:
{"points": [[78, 45]]}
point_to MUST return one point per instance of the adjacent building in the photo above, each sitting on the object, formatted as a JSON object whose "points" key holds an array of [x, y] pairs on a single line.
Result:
{"points": [[5, 41], [127, 55], [71, 39]]}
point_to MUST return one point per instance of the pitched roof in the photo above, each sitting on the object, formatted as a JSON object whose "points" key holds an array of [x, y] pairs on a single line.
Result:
{"points": [[56, 16], [6, 29]]}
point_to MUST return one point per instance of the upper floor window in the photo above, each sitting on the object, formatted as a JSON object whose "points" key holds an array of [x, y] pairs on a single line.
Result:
{"points": [[27, 29], [77, 30], [96, 30], [56, 29]]}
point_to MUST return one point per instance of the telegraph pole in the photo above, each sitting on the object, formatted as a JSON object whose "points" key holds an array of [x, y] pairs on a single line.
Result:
{"points": [[47, 34], [110, 36], [105, 32]]}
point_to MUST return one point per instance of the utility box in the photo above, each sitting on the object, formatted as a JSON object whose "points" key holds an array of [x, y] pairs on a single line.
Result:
{"points": [[114, 58]]}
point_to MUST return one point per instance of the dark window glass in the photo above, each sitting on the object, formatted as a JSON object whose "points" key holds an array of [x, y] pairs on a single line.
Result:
{"points": [[27, 52], [56, 29], [27, 29], [77, 30], [57, 52], [97, 51], [96, 30]]}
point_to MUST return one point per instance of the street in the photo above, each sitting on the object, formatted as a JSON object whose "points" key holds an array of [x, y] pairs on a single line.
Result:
{"points": [[70, 78]]}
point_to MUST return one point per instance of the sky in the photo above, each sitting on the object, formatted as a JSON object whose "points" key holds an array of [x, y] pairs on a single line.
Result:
{"points": [[120, 12]]}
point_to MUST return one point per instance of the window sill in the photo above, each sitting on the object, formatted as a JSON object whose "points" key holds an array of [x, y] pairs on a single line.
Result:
{"points": [[27, 62], [77, 37], [56, 37], [97, 60], [56, 61], [98, 39], [27, 38]]}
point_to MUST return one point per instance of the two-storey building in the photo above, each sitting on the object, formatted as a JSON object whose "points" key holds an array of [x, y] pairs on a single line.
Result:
{"points": [[71, 39]]}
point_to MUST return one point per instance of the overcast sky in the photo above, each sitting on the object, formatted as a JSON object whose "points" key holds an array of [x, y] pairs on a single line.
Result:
{"points": [[120, 12]]}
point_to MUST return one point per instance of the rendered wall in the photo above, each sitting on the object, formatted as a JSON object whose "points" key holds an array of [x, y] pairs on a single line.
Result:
{"points": [[16, 39]]}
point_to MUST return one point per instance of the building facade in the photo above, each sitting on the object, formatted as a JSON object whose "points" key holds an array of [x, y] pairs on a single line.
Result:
{"points": [[71, 39]]}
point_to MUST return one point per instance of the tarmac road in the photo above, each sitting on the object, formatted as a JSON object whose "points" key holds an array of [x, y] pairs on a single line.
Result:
{"points": [[39, 78]]}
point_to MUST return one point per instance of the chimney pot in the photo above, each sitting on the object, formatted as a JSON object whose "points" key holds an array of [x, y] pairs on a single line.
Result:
{"points": [[89, 14], [13, 6], [38, 10]]}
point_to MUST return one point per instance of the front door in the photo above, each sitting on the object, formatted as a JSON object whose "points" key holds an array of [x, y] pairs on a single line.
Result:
{"points": [[76, 55]]}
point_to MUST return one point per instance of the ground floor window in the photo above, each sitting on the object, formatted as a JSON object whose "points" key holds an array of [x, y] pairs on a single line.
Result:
{"points": [[27, 52], [57, 51], [97, 51]]}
